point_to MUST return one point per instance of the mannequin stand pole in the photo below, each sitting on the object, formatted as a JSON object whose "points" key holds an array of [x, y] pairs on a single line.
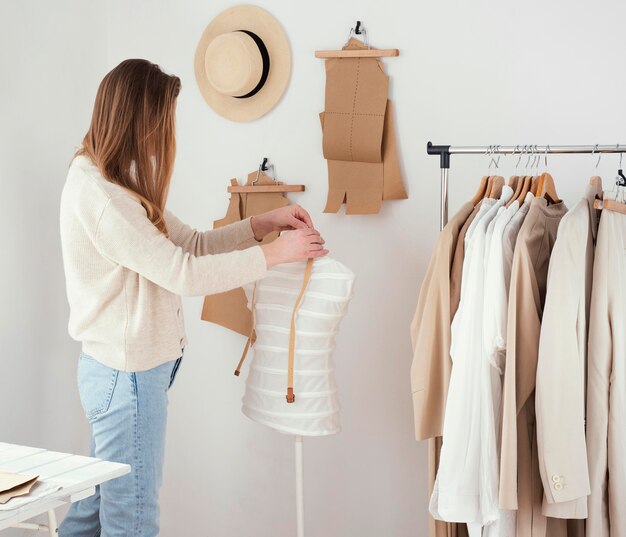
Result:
{"points": [[299, 485]]}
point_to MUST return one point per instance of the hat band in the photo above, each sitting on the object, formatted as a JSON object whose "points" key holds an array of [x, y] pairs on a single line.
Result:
{"points": [[266, 64]]}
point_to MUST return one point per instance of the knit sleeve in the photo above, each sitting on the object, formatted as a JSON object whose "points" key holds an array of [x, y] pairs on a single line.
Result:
{"points": [[126, 236], [214, 241]]}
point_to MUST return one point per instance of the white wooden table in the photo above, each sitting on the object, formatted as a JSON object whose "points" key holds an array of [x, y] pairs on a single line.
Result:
{"points": [[76, 475]]}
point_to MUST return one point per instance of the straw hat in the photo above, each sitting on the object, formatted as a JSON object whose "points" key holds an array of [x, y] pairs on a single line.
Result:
{"points": [[242, 63]]}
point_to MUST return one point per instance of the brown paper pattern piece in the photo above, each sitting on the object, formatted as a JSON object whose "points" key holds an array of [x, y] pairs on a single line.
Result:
{"points": [[358, 136], [230, 309]]}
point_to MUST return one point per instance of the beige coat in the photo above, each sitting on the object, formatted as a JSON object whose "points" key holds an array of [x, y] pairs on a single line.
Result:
{"points": [[456, 271], [430, 335], [606, 382], [520, 483], [560, 391]]}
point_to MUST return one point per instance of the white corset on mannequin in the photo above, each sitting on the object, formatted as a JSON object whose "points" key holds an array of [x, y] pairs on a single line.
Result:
{"points": [[315, 411]]}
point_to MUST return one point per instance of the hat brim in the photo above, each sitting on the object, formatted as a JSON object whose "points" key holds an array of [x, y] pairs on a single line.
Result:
{"points": [[263, 24]]}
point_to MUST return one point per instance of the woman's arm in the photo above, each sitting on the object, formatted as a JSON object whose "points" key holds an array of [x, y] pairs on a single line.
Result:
{"points": [[126, 236], [213, 241]]}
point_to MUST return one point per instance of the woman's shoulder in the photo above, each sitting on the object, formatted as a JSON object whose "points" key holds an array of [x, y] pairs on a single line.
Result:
{"points": [[85, 177]]}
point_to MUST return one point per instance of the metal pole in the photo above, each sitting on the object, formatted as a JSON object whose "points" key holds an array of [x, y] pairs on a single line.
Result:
{"points": [[443, 206], [299, 486], [538, 149]]}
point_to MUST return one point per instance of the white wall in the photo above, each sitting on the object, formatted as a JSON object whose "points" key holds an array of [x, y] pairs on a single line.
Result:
{"points": [[481, 72], [50, 63]]}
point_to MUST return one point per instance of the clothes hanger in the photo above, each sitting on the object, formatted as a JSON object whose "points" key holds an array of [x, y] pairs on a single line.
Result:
{"points": [[481, 192], [618, 206], [528, 179], [495, 182], [496, 187], [546, 187], [516, 180], [596, 182], [262, 183], [368, 52], [534, 180], [484, 187]]}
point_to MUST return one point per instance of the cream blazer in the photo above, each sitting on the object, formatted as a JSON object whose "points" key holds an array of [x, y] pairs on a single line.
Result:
{"points": [[606, 381], [430, 335], [520, 482], [560, 390]]}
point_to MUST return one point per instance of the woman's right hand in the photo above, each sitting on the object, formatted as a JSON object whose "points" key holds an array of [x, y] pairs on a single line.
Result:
{"points": [[296, 245]]}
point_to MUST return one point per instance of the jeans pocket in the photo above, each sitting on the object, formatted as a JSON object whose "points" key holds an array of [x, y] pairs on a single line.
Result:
{"points": [[175, 368], [96, 384]]}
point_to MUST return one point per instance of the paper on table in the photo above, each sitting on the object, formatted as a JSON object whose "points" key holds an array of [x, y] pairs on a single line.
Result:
{"points": [[12, 485], [40, 489]]}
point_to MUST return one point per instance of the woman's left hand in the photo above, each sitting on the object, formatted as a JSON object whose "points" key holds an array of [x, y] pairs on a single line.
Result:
{"points": [[282, 219]]}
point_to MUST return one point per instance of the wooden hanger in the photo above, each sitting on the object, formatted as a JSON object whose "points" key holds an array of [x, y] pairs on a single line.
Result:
{"points": [[535, 185], [368, 52], [547, 189], [365, 53], [610, 205], [596, 182], [528, 183], [260, 183], [481, 192], [497, 182]]}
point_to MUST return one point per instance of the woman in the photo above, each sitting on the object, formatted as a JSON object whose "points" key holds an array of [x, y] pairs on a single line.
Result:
{"points": [[127, 259]]}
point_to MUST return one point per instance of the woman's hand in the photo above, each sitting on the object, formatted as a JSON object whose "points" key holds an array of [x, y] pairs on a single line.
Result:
{"points": [[294, 246], [282, 219]]}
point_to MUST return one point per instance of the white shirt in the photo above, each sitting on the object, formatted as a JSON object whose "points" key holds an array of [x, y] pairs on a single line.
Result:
{"points": [[457, 491], [495, 306]]}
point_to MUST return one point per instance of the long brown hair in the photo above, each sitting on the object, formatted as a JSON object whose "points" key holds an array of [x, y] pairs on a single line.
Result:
{"points": [[131, 138]]}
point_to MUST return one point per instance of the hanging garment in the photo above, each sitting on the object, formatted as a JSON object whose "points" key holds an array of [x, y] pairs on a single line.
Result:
{"points": [[430, 337], [324, 303], [359, 136], [456, 271], [606, 380], [230, 309], [439, 528], [502, 233], [562, 363], [459, 493], [520, 482], [498, 261], [430, 334]]}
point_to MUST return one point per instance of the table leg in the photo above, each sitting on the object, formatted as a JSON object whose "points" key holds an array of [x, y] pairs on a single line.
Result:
{"points": [[52, 523]]}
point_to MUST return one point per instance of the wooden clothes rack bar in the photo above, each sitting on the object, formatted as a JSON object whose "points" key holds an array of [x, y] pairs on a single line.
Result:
{"points": [[444, 152]]}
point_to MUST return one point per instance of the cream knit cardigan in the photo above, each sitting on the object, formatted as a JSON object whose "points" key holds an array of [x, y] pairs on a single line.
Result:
{"points": [[124, 277]]}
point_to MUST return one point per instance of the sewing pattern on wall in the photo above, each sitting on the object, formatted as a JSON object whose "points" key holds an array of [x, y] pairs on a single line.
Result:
{"points": [[260, 194], [358, 132], [298, 308]]}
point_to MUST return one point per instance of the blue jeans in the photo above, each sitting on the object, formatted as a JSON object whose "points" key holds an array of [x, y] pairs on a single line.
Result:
{"points": [[128, 415]]}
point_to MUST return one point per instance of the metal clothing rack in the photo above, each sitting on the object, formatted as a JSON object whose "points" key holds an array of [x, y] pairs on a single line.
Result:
{"points": [[444, 152]]}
